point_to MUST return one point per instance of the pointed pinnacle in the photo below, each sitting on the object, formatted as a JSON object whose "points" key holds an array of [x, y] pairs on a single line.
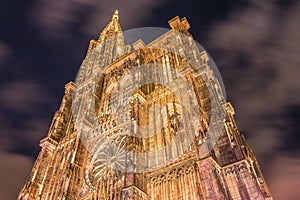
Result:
{"points": [[116, 15]]}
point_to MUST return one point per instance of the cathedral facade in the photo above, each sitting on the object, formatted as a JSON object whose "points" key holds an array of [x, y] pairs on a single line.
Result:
{"points": [[145, 122]]}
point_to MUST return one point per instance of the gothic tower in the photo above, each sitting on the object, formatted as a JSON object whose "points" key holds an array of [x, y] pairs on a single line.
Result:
{"points": [[145, 122]]}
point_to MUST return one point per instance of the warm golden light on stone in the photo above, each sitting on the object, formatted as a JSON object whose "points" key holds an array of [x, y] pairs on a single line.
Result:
{"points": [[150, 122]]}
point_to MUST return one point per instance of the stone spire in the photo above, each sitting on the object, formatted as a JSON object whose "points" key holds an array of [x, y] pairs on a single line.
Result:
{"points": [[113, 28], [112, 31]]}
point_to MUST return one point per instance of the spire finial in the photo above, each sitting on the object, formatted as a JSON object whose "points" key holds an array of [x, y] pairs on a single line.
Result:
{"points": [[116, 15]]}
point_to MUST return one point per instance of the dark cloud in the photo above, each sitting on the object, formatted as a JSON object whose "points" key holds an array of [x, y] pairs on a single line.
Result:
{"points": [[285, 173], [22, 96], [291, 141], [5, 52], [23, 138], [26, 139], [56, 18], [22, 120], [14, 171]]}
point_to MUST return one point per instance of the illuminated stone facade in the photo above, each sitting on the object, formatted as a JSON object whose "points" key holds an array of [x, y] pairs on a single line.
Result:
{"points": [[101, 145]]}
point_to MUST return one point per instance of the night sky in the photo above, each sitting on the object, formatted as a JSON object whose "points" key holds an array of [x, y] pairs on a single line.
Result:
{"points": [[255, 44]]}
